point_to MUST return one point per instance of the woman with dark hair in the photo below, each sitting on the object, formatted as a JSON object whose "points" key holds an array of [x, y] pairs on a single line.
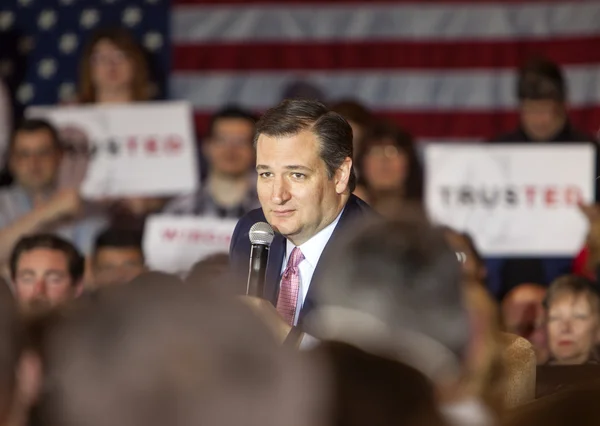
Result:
{"points": [[390, 173]]}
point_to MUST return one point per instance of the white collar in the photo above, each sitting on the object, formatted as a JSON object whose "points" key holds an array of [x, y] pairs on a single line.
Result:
{"points": [[313, 248]]}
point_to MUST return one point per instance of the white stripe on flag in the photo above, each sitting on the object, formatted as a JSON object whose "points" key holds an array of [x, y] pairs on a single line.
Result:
{"points": [[458, 21], [412, 90]]}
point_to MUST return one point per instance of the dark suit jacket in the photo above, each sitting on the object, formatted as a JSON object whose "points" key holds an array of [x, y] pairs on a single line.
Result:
{"points": [[239, 251]]}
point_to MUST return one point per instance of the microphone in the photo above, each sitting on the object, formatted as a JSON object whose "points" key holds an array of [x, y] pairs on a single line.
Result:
{"points": [[261, 236]]}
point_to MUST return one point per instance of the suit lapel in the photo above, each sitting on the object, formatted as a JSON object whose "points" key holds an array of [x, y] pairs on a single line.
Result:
{"points": [[274, 263], [350, 212]]}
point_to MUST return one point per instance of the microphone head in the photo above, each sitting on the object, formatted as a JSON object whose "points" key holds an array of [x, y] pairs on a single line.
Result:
{"points": [[261, 233]]}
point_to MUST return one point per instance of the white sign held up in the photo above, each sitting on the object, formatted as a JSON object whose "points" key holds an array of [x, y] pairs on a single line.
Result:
{"points": [[513, 199], [140, 149], [174, 243]]}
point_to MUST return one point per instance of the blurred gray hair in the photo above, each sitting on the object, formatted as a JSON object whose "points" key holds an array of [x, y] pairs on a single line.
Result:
{"points": [[397, 284]]}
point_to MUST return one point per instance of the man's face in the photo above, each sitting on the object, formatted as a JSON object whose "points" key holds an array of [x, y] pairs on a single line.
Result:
{"points": [[542, 119], [35, 160], [229, 150], [296, 194], [42, 279], [117, 265]]}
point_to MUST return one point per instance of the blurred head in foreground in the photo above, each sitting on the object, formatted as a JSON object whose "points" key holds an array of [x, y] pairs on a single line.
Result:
{"points": [[372, 390], [10, 350], [153, 353], [395, 289]]}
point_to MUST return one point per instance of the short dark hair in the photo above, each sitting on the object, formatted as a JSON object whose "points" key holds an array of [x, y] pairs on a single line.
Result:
{"points": [[75, 260], [381, 132], [541, 79], [35, 125], [293, 116], [119, 238], [233, 112]]}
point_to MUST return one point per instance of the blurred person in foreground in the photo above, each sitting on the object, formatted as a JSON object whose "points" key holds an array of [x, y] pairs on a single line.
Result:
{"points": [[118, 257], [373, 390], [160, 354], [46, 271], [395, 289], [229, 190], [523, 314], [389, 170], [305, 184], [543, 118], [34, 203], [11, 336], [573, 321]]}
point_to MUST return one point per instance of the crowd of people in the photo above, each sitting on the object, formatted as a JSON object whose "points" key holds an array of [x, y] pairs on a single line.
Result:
{"points": [[371, 314]]}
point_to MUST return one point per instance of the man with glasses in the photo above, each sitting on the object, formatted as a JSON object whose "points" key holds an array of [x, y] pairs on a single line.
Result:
{"points": [[230, 187], [34, 202]]}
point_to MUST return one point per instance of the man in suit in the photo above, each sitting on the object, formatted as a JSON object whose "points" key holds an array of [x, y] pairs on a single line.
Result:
{"points": [[305, 184]]}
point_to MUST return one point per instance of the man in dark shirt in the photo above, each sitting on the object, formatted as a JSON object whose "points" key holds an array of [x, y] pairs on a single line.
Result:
{"points": [[230, 187], [543, 118]]}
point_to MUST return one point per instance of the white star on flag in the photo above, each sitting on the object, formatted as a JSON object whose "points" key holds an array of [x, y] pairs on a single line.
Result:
{"points": [[132, 16], [25, 93], [6, 20], [47, 19], [47, 68], [66, 91], [153, 41], [89, 18], [68, 43]]}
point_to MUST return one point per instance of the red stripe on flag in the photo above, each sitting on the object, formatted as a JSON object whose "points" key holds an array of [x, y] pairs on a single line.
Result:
{"points": [[381, 55], [456, 125]]}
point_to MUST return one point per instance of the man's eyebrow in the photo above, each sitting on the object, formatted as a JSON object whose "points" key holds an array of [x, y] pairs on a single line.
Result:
{"points": [[262, 167], [298, 167]]}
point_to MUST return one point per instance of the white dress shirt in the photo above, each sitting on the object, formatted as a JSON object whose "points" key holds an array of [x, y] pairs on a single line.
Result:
{"points": [[312, 250]]}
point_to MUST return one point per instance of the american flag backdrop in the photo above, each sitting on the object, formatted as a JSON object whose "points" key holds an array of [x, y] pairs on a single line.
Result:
{"points": [[443, 69], [41, 40]]}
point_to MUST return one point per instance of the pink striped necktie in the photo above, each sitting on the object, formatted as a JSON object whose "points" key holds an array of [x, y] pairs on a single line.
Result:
{"points": [[289, 288]]}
